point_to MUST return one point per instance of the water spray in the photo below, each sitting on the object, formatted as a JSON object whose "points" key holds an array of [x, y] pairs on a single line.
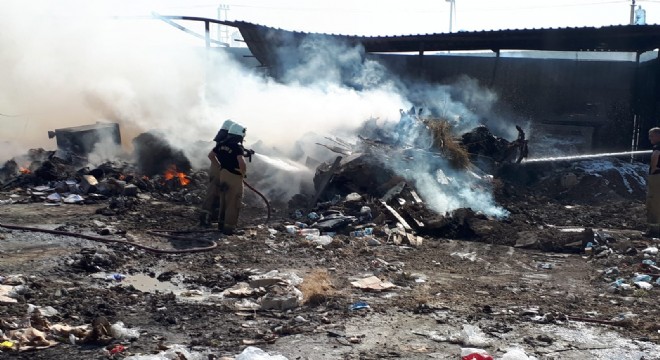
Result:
{"points": [[590, 156], [283, 164]]}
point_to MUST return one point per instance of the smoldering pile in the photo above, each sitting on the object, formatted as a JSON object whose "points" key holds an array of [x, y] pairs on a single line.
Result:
{"points": [[395, 176], [64, 175]]}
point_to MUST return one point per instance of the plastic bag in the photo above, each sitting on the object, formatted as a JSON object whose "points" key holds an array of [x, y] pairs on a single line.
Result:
{"points": [[475, 354], [254, 353], [120, 332]]}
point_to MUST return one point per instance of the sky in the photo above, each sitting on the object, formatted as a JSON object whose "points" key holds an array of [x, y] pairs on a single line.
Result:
{"points": [[387, 17]]}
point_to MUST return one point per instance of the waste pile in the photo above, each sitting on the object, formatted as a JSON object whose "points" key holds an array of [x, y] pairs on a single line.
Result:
{"points": [[62, 177]]}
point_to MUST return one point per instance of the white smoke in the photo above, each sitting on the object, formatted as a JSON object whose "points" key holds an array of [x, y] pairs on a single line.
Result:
{"points": [[70, 63]]}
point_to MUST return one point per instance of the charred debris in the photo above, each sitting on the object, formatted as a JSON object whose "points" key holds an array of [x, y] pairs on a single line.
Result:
{"points": [[361, 189], [358, 190]]}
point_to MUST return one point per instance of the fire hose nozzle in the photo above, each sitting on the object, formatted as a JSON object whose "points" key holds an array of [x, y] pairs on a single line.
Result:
{"points": [[248, 154]]}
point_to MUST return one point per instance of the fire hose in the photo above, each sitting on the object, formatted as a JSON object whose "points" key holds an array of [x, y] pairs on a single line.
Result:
{"points": [[212, 244], [163, 233]]}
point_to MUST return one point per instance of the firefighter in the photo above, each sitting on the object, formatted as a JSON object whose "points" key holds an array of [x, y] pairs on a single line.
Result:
{"points": [[653, 185], [210, 205], [228, 186]]}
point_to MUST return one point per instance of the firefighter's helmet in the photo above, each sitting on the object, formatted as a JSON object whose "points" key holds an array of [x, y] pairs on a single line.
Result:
{"points": [[237, 129]]}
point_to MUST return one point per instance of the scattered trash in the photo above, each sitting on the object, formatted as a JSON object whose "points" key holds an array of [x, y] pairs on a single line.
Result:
{"points": [[322, 240], [46, 311], [652, 250], [6, 292], [644, 285], [190, 293], [121, 332], [474, 354], [545, 266], [313, 216], [619, 284], [255, 353], [6, 345], [306, 232], [362, 233], [642, 278], [473, 336], [116, 349], [359, 306], [54, 198], [115, 277], [175, 352], [465, 255], [516, 354], [73, 199], [372, 283], [353, 197]]}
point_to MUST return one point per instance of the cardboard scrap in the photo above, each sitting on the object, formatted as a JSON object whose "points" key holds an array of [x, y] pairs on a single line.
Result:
{"points": [[398, 236], [5, 291], [30, 338], [372, 283]]}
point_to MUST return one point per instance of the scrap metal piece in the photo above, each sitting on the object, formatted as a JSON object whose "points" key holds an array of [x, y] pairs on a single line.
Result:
{"points": [[326, 180]]}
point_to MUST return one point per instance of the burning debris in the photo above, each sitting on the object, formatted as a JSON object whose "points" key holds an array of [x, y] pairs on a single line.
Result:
{"points": [[64, 176], [154, 156]]}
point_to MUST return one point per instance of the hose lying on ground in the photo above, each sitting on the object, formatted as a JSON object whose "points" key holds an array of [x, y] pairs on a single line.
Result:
{"points": [[212, 244]]}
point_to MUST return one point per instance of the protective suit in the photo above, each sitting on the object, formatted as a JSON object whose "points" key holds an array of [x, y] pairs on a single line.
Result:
{"points": [[210, 205], [653, 186], [227, 187]]}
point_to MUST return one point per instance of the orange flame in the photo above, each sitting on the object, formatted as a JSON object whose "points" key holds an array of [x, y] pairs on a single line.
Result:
{"points": [[172, 173], [24, 170]]}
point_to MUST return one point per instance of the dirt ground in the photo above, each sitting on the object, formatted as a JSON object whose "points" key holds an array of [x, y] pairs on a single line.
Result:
{"points": [[552, 304]]}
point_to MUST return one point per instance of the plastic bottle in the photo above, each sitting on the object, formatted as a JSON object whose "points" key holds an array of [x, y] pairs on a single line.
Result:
{"points": [[301, 225], [642, 277], [320, 240], [309, 231], [361, 233]]}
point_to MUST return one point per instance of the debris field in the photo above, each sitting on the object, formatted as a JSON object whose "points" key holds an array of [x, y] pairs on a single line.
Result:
{"points": [[110, 261]]}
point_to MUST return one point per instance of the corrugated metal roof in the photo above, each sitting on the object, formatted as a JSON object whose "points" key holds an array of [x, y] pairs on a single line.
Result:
{"points": [[265, 42]]}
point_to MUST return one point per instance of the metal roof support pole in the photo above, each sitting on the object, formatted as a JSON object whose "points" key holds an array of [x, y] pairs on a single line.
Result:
{"points": [[495, 66], [635, 107], [207, 34], [656, 91], [421, 59]]}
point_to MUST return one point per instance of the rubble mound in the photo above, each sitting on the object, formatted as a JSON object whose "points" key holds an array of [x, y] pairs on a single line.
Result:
{"points": [[593, 182]]}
